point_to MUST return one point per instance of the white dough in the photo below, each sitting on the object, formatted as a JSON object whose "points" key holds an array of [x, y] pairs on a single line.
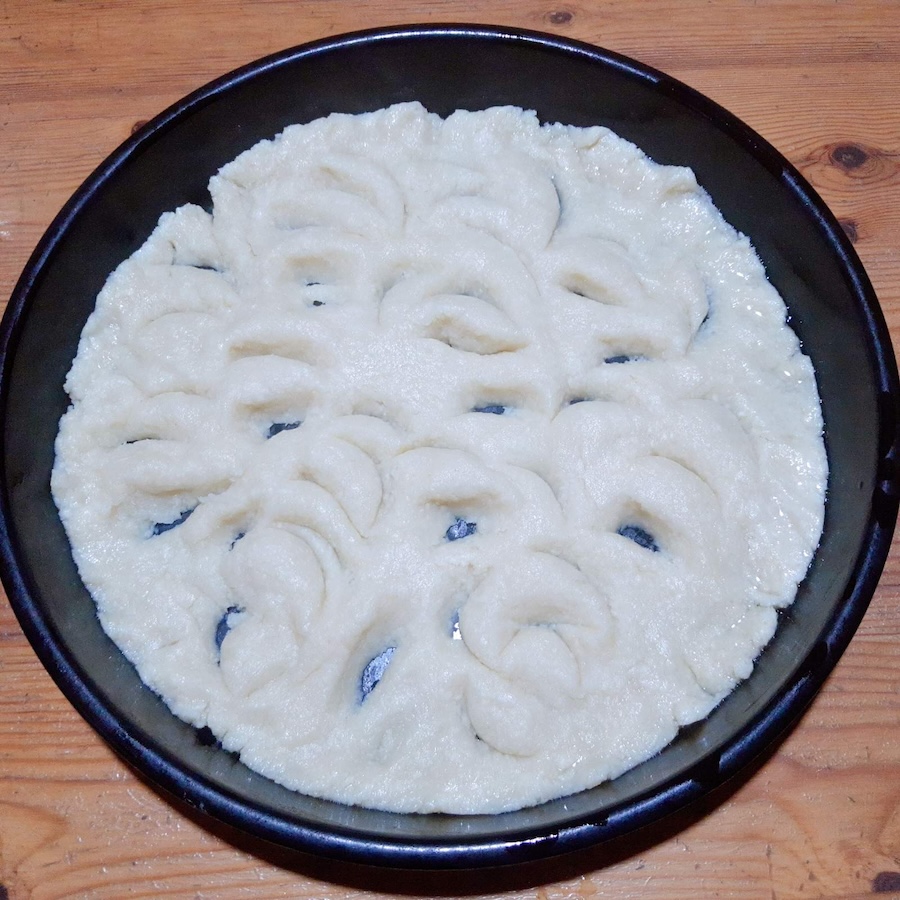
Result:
{"points": [[365, 284]]}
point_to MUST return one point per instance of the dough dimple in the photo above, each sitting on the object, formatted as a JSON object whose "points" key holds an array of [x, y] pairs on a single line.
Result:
{"points": [[447, 465]]}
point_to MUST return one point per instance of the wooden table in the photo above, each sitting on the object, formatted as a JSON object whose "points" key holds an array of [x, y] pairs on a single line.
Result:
{"points": [[821, 817]]}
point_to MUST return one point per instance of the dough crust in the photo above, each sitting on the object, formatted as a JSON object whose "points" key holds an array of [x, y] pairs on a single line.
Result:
{"points": [[446, 465]]}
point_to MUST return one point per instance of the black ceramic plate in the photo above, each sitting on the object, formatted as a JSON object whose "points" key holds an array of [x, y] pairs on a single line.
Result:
{"points": [[168, 163]]}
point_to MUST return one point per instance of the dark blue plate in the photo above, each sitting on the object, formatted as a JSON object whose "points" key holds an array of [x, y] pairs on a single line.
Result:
{"points": [[169, 162]]}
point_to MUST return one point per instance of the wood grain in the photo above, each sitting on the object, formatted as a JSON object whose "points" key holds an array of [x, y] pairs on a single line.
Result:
{"points": [[818, 818]]}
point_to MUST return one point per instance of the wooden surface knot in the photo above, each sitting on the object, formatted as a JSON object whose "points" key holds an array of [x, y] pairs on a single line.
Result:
{"points": [[851, 229], [886, 883], [560, 16], [856, 160], [849, 156], [844, 168]]}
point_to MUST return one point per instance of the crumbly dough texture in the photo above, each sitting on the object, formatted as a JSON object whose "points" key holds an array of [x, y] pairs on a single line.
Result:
{"points": [[446, 465]]}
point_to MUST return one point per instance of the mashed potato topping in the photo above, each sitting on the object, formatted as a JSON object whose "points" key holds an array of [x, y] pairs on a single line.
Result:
{"points": [[444, 465]]}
